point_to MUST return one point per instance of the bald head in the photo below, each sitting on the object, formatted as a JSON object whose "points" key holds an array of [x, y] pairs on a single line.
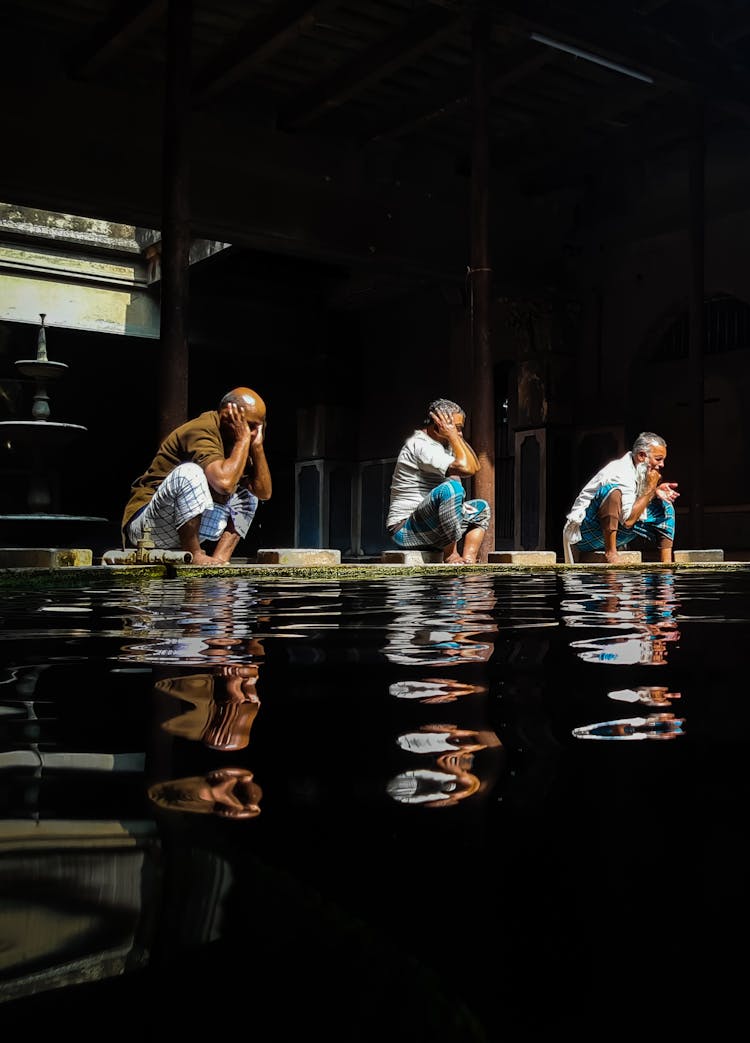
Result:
{"points": [[248, 402]]}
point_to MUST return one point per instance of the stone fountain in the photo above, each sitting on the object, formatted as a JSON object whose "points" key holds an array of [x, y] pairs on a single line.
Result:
{"points": [[34, 448]]}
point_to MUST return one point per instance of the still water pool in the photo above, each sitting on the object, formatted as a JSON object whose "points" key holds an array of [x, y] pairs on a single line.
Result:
{"points": [[460, 808]]}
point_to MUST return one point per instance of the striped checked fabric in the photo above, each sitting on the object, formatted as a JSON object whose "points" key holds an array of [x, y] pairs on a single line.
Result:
{"points": [[657, 521], [184, 494], [443, 517]]}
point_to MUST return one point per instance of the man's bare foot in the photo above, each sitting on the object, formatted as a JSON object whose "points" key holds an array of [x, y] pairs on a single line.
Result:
{"points": [[611, 557], [469, 559], [453, 559], [201, 558]]}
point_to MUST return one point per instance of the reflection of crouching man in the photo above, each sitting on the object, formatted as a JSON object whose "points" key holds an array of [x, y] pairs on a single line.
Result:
{"points": [[224, 705], [204, 484], [428, 506], [226, 792]]}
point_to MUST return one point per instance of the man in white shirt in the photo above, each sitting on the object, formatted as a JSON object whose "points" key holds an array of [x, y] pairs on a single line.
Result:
{"points": [[623, 501], [428, 506]]}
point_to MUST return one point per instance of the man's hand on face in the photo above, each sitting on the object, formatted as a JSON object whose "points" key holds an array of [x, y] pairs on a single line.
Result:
{"points": [[653, 464], [257, 432], [444, 424], [652, 478], [237, 421]]}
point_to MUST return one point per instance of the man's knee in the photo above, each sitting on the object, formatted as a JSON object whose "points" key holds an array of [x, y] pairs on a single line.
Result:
{"points": [[609, 510], [450, 489], [478, 514], [189, 472]]}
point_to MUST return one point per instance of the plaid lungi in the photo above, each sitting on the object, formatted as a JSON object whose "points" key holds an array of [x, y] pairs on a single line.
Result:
{"points": [[443, 517], [657, 521], [184, 494]]}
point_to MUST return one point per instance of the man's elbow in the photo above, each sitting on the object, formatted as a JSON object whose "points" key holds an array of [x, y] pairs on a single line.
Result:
{"points": [[222, 487], [262, 492], [463, 469]]}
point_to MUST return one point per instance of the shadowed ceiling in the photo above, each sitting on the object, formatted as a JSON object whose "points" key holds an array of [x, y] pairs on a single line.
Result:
{"points": [[286, 88]]}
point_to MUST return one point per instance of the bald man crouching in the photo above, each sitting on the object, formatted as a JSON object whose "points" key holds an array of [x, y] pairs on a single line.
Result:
{"points": [[204, 484]]}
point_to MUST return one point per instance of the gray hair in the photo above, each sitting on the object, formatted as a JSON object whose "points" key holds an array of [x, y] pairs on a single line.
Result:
{"points": [[442, 405], [645, 440]]}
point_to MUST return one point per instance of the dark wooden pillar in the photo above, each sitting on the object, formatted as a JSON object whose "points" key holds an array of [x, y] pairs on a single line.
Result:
{"points": [[480, 281], [697, 321], [175, 230]]}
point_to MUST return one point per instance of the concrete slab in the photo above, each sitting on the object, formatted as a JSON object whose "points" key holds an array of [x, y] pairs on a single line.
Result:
{"points": [[298, 556], [412, 557], [44, 557], [521, 557], [596, 557], [687, 556]]}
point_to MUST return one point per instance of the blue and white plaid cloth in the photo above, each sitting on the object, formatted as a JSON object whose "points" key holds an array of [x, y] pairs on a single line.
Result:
{"points": [[184, 494], [657, 521], [443, 517]]}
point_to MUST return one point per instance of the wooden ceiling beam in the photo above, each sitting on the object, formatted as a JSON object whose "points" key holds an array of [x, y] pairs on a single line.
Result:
{"points": [[456, 94], [262, 38], [431, 24], [128, 22]]}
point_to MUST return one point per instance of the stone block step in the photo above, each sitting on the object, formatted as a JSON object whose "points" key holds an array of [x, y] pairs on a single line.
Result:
{"points": [[412, 557], [687, 556], [44, 557], [596, 557], [521, 557], [298, 556]]}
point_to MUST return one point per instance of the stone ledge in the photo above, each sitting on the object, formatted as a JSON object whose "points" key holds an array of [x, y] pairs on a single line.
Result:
{"points": [[44, 557], [683, 556], [521, 557], [412, 557], [298, 556], [596, 557]]}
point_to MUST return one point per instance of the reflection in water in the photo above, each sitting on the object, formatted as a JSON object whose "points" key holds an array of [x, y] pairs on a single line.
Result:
{"points": [[434, 788], [452, 625], [646, 647], [453, 776], [224, 705], [643, 603], [444, 627], [641, 608], [614, 598], [227, 792], [188, 623], [192, 651], [131, 837], [434, 690], [651, 695], [657, 726], [441, 738]]}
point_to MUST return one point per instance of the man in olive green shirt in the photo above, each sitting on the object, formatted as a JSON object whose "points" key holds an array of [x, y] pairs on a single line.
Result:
{"points": [[205, 482]]}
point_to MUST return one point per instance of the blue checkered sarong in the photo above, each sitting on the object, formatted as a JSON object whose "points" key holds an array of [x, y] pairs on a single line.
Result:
{"points": [[443, 517], [657, 522], [184, 494]]}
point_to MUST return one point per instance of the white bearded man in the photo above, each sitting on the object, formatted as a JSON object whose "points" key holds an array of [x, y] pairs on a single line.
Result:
{"points": [[625, 501]]}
